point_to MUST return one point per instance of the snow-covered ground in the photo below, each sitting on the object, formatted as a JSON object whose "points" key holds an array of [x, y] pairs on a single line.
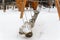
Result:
{"points": [[47, 25]]}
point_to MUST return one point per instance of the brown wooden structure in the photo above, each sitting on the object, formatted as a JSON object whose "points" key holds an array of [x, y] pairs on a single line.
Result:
{"points": [[21, 4], [57, 2]]}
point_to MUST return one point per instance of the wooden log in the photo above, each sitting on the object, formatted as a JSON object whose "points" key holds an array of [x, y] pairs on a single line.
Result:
{"points": [[21, 5], [58, 7], [34, 5]]}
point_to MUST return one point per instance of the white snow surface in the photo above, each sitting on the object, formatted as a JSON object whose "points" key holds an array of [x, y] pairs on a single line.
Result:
{"points": [[47, 25]]}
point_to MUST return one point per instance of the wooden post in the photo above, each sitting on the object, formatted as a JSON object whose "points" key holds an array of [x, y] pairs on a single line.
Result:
{"points": [[4, 6], [21, 5], [58, 7]]}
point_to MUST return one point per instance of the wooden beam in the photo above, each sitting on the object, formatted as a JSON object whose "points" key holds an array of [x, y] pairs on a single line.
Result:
{"points": [[21, 5], [58, 7]]}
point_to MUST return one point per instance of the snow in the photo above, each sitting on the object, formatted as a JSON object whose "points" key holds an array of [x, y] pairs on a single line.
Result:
{"points": [[47, 25]]}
